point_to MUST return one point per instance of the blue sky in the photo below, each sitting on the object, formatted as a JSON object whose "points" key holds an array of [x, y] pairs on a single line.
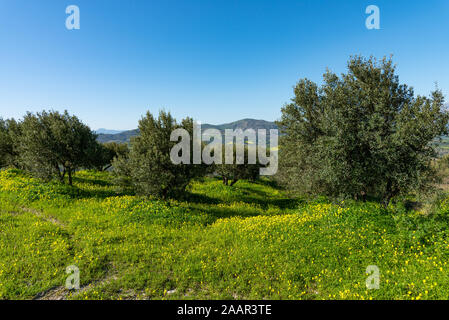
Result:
{"points": [[216, 61]]}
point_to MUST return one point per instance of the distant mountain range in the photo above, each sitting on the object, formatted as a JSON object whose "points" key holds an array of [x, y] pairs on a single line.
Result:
{"points": [[107, 131], [125, 136]]}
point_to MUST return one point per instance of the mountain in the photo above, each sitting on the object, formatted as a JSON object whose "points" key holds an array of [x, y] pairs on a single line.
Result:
{"points": [[106, 131], [243, 124], [121, 137]]}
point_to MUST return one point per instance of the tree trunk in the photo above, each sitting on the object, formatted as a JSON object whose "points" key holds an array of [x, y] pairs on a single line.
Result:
{"points": [[70, 176], [234, 181], [387, 196], [225, 181], [386, 200], [390, 192], [363, 194], [60, 176]]}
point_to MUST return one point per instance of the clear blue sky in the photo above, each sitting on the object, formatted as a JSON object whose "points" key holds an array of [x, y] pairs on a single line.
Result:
{"points": [[216, 61]]}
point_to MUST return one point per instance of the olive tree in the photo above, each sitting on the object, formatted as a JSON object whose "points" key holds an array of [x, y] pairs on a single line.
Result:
{"points": [[54, 144], [233, 172], [9, 135], [361, 133], [148, 167], [105, 153]]}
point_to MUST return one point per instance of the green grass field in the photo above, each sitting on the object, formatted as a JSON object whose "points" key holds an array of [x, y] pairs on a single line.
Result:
{"points": [[250, 241]]}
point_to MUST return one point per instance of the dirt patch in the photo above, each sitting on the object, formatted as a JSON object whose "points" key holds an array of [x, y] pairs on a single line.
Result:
{"points": [[15, 213], [39, 214], [55, 293], [61, 293]]}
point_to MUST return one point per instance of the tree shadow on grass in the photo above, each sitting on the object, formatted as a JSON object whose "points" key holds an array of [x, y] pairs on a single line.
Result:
{"points": [[217, 209], [97, 182], [249, 196], [220, 212], [200, 198], [75, 192]]}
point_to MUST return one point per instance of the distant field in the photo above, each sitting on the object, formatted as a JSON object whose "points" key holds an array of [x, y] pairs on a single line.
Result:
{"points": [[442, 145], [250, 241]]}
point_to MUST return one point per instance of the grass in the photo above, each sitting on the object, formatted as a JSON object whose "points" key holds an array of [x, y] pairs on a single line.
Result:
{"points": [[249, 241]]}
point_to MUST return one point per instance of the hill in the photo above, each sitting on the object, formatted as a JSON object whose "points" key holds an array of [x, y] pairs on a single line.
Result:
{"points": [[122, 137], [107, 131], [243, 124]]}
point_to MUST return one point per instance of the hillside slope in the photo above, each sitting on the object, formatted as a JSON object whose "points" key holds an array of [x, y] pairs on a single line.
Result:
{"points": [[245, 242]]}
